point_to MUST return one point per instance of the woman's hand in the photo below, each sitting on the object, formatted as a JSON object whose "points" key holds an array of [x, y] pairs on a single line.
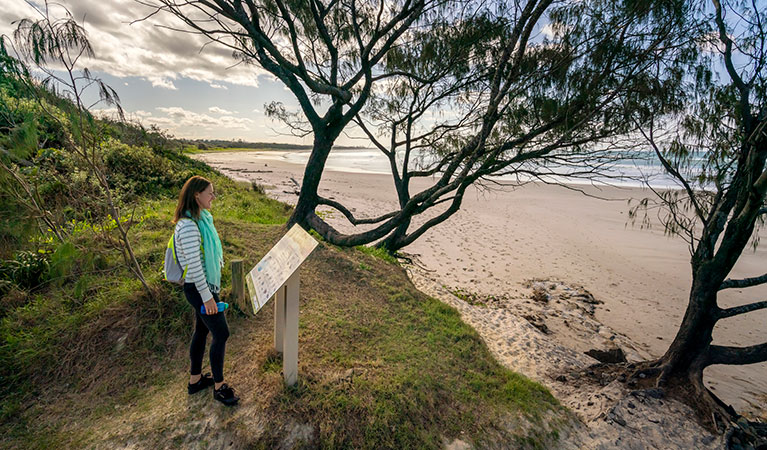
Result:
{"points": [[210, 307]]}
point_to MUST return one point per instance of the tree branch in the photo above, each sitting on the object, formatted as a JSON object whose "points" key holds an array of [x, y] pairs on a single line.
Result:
{"points": [[360, 123], [753, 354], [744, 283], [743, 89], [345, 211], [743, 309], [456, 201], [672, 170]]}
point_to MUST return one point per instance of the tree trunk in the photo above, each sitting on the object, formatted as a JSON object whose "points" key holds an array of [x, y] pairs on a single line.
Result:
{"points": [[710, 408], [689, 354], [694, 335], [393, 242], [307, 198]]}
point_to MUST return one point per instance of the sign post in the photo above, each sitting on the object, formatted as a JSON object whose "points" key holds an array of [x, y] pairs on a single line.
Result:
{"points": [[277, 276]]}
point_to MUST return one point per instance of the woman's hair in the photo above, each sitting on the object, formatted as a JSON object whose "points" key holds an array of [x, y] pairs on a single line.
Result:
{"points": [[186, 200]]}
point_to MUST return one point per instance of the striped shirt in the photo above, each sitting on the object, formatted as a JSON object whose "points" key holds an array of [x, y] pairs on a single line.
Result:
{"points": [[190, 256]]}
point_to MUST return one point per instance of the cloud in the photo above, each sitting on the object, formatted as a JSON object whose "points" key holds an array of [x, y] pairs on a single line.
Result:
{"points": [[125, 47], [555, 30], [177, 117], [162, 83], [548, 31], [218, 86], [217, 110]]}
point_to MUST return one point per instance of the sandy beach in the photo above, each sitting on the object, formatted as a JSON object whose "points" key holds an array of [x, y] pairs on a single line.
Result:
{"points": [[502, 240]]}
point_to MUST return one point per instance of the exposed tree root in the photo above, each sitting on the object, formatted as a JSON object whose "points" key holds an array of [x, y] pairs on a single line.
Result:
{"points": [[650, 369], [687, 387], [711, 409]]}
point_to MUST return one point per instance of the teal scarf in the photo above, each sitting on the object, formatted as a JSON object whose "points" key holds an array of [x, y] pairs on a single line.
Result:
{"points": [[213, 254]]}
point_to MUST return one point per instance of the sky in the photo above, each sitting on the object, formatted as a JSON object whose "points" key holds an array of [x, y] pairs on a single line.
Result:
{"points": [[177, 80], [170, 78]]}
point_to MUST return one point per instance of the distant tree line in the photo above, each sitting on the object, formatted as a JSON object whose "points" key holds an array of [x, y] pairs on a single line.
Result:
{"points": [[205, 144]]}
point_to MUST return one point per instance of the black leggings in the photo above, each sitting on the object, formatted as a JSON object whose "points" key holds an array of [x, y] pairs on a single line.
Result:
{"points": [[216, 324]]}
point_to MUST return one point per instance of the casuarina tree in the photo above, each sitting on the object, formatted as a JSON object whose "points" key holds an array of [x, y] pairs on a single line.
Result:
{"points": [[467, 90], [712, 139]]}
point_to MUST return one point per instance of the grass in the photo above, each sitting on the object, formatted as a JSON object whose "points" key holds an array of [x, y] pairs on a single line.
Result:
{"points": [[381, 365], [378, 252]]}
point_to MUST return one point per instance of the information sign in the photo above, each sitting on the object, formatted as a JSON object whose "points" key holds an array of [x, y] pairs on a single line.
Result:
{"points": [[274, 269]]}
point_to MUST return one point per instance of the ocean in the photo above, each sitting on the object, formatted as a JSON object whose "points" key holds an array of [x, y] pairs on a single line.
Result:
{"points": [[637, 170]]}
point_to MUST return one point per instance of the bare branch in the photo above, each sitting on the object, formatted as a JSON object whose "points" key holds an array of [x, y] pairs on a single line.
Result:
{"points": [[744, 283], [345, 211], [361, 123], [731, 71], [718, 354], [743, 309]]}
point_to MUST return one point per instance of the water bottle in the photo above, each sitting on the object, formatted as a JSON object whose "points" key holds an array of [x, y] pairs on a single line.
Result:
{"points": [[220, 305]]}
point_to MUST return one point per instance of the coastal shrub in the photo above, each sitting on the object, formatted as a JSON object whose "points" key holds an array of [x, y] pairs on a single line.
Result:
{"points": [[26, 270], [27, 124], [63, 261], [16, 227], [142, 172], [138, 171], [54, 176], [135, 134]]}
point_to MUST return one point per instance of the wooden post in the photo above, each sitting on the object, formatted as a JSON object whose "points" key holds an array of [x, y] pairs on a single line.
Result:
{"points": [[238, 286], [279, 318], [290, 339], [286, 327]]}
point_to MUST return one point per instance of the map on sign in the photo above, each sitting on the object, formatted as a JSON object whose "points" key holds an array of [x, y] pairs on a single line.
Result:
{"points": [[278, 265]]}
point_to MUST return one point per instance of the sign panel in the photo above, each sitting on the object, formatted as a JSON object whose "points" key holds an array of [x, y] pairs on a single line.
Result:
{"points": [[278, 265]]}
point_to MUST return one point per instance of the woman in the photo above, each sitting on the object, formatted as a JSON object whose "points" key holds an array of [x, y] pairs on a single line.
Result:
{"points": [[199, 251]]}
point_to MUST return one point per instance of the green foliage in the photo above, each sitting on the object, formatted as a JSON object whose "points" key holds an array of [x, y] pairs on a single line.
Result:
{"points": [[27, 124], [27, 270], [414, 373], [17, 227], [235, 203], [378, 252], [135, 134], [138, 172], [63, 260]]}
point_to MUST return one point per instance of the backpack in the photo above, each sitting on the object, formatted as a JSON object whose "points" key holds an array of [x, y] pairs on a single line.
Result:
{"points": [[172, 269]]}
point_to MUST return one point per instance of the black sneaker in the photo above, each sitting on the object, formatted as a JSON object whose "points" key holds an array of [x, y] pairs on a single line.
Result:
{"points": [[204, 382], [225, 395]]}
